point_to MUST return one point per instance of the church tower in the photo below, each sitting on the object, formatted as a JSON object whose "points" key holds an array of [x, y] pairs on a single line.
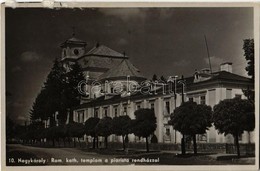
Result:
{"points": [[72, 49]]}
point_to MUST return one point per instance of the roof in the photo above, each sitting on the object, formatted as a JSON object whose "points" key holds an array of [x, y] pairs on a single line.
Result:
{"points": [[230, 76], [221, 76], [124, 69], [103, 63], [101, 50], [73, 40]]}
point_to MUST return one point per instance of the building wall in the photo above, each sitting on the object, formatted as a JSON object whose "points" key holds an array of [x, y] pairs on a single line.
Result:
{"points": [[164, 132]]}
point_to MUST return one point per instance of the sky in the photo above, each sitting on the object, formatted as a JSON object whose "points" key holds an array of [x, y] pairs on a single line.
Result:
{"points": [[161, 41]]}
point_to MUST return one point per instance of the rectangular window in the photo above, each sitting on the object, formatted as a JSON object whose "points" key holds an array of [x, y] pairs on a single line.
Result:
{"points": [[202, 137], [196, 99], [105, 112], [138, 106], [96, 112], [229, 93], [240, 138], [115, 111], [125, 110], [202, 100], [81, 116], [167, 131], [168, 106], [238, 96], [152, 105]]}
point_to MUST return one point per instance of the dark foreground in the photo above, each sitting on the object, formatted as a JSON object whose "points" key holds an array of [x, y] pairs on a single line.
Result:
{"points": [[20, 155]]}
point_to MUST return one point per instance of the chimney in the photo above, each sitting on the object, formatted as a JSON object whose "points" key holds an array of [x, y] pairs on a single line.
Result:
{"points": [[227, 66], [205, 71]]}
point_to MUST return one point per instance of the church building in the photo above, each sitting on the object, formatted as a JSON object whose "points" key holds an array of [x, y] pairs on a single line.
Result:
{"points": [[108, 72]]}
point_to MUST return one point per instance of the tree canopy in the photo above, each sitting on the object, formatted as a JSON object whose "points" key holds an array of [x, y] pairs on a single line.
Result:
{"points": [[121, 125], [230, 114], [249, 54], [104, 128], [234, 116], [144, 124], [191, 118], [58, 94]]}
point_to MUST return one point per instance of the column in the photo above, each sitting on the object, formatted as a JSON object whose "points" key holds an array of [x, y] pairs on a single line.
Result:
{"points": [[159, 116], [132, 116]]}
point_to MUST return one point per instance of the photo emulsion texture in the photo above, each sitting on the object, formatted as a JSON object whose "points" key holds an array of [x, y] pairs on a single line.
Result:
{"points": [[130, 86]]}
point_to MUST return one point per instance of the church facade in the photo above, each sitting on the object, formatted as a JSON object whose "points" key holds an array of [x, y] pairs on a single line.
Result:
{"points": [[110, 75]]}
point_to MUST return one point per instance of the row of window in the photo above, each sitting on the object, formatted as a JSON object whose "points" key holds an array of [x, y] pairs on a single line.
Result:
{"points": [[80, 114], [199, 99]]}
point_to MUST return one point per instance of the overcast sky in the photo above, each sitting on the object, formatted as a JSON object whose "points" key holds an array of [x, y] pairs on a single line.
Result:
{"points": [[162, 41]]}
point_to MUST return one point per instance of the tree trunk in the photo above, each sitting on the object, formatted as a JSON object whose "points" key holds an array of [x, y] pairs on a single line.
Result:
{"points": [[183, 151], [123, 142], [106, 142], [64, 142], [97, 141], [79, 142], [74, 139], [69, 141], [58, 142], [237, 145], [94, 142], [194, 144], [249, 141], [70, 115], [147, 144]]}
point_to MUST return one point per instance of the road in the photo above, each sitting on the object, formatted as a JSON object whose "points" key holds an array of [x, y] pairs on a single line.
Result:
{"points": [[20, 155]]}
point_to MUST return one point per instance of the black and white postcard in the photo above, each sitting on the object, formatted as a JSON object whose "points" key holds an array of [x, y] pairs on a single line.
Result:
{"points": [[161, 86]]}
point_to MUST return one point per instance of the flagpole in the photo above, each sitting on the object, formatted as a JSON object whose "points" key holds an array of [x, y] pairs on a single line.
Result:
{"points": [[208, 53]]}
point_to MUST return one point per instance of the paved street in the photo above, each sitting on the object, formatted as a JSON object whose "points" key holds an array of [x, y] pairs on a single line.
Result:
{"points": [[53, 155]]}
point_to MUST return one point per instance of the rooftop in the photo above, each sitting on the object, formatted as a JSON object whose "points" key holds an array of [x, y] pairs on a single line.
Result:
{"points": [[124, 69], [102, 50], [221, 77]]}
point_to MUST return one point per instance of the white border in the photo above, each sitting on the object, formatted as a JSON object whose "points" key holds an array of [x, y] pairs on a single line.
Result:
{"points": [[131, 167]]}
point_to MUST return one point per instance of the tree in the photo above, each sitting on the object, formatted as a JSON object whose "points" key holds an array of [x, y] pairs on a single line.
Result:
{"points": [[61, 132], [53, 88], [163, 79], [90, 125], [154, 77], [75, 130], [144, 124], [104, 128], [40, 108], [121, 126], [70, 94], [51, 134], [248, 48], [249, 123], [229, 117], [190, 119], [10, 128], [59, 93]]}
